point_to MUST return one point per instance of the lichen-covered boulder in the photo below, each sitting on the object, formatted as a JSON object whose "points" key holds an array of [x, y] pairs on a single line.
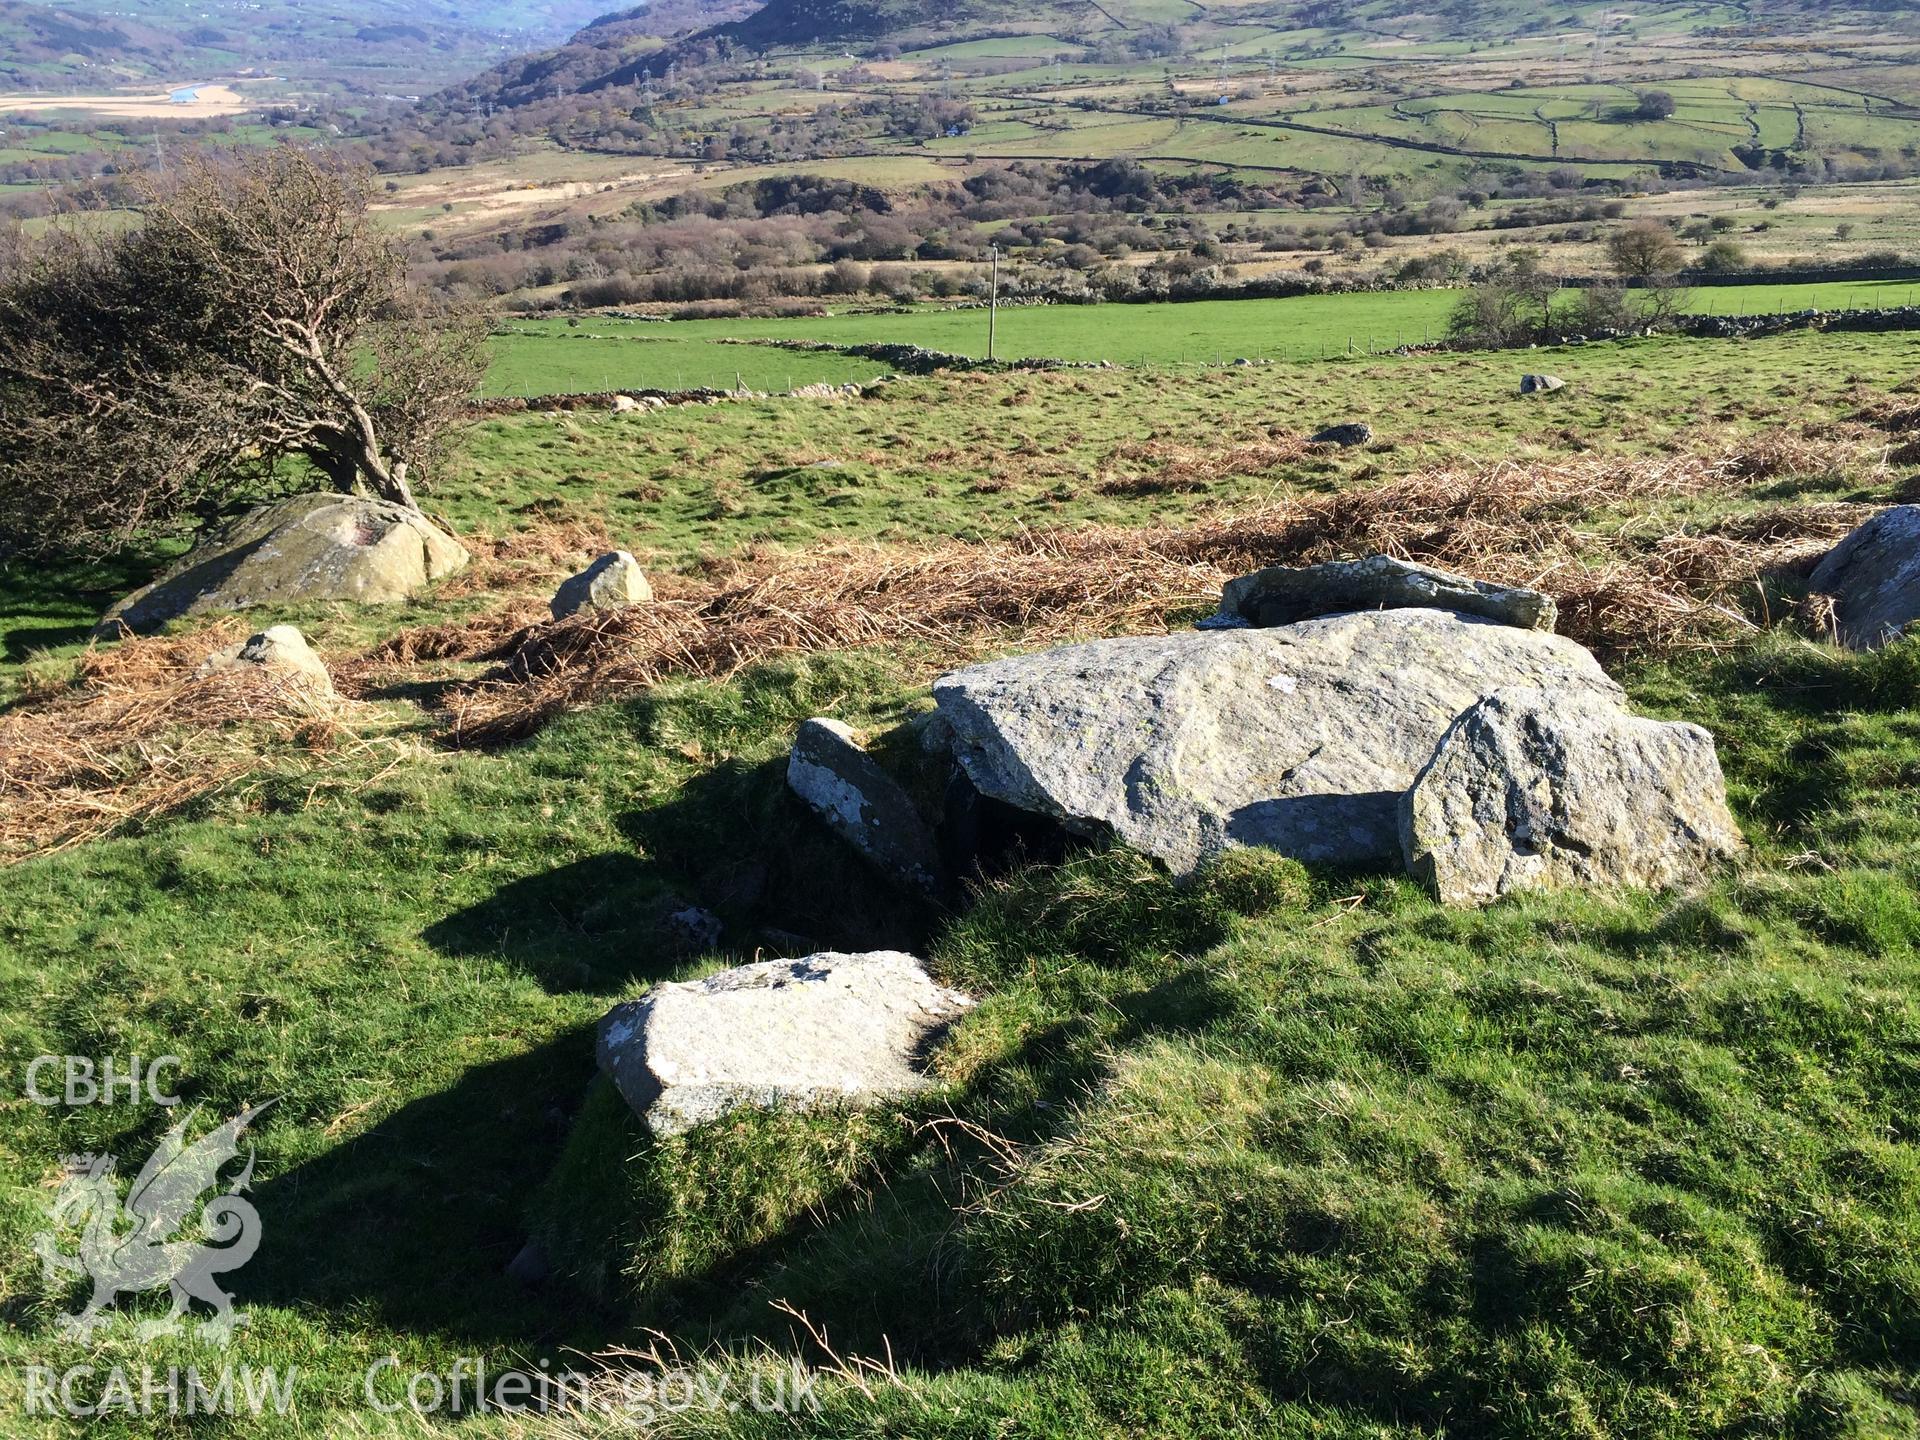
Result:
{"points": [[612, 582], [830, 1029], [1540, 384], [1285, 595], [862, 804], [293, 552], [1873, 577], [1301, 739], [1537, 790]]}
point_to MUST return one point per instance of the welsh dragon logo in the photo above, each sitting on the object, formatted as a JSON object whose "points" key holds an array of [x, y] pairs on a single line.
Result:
{"points": [[157, 1238]]}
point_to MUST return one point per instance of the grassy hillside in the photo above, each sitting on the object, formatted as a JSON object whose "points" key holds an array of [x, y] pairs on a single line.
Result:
{"points": [[1287, 1152]]}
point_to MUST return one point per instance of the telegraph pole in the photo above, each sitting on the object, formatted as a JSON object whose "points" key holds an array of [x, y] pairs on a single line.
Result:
{"points": [[993, 305]]}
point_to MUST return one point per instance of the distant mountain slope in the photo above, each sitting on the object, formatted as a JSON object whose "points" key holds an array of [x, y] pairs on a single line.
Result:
{"points": [[84, 45], [40, 41], [800, 22], [610, 51]]}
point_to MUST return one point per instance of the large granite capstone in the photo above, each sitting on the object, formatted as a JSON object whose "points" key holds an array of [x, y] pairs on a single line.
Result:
{"points": [[1301, 739]]}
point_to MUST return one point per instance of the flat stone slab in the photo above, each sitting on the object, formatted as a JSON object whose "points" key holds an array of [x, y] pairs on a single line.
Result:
{"points": [[1874, 578], [298, 550], [827, 1030], [1301, 739], [1530, 790], [1286, 595]]}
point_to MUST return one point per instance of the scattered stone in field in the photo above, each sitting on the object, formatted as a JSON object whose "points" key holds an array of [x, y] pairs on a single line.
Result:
{"points": [[283, 652], [1873, 577], [612, 582], [1540, 384], [306, 548], [1531, 790], [627, 405], [691, 930], [1282, 595], [830, 1029], [1345, 436], [1301, 739], [863, 805]]}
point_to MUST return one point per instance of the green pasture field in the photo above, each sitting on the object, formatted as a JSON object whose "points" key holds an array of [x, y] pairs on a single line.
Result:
{"points": [[1588, 122], [1285, 1152], [541, 356], [539, 360]]}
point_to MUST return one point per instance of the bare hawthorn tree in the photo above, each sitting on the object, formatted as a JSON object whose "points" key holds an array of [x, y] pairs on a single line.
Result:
{"points": [[1647, 258], [255, 312]]}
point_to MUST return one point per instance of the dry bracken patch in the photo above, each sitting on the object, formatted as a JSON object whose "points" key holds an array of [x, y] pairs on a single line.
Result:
{"points": [[1622, 586], [135, 731]]}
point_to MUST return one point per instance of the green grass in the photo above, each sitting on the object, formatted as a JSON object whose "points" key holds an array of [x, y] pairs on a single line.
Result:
{"points": [[543, 360], [1283, 1152], [548, 356]]}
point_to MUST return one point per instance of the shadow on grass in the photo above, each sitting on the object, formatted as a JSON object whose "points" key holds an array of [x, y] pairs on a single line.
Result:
{"points": [[416, 1219], [47, 605], [21, 641], [780, 881], [593, 925]]}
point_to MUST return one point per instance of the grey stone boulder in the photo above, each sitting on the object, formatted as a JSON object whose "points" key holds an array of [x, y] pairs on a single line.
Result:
{"points": [[1531, 790], [1282, 595], [279, 655], [691, 930], [1540, 384], [296, 551], [1873, 577], [863, 805], [1345, 436], [1301, 739], [612, 582], [828, 1030]]}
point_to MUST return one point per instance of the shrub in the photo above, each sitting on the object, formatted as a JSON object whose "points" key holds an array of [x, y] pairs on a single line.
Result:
{"points": [[254, 314]]}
